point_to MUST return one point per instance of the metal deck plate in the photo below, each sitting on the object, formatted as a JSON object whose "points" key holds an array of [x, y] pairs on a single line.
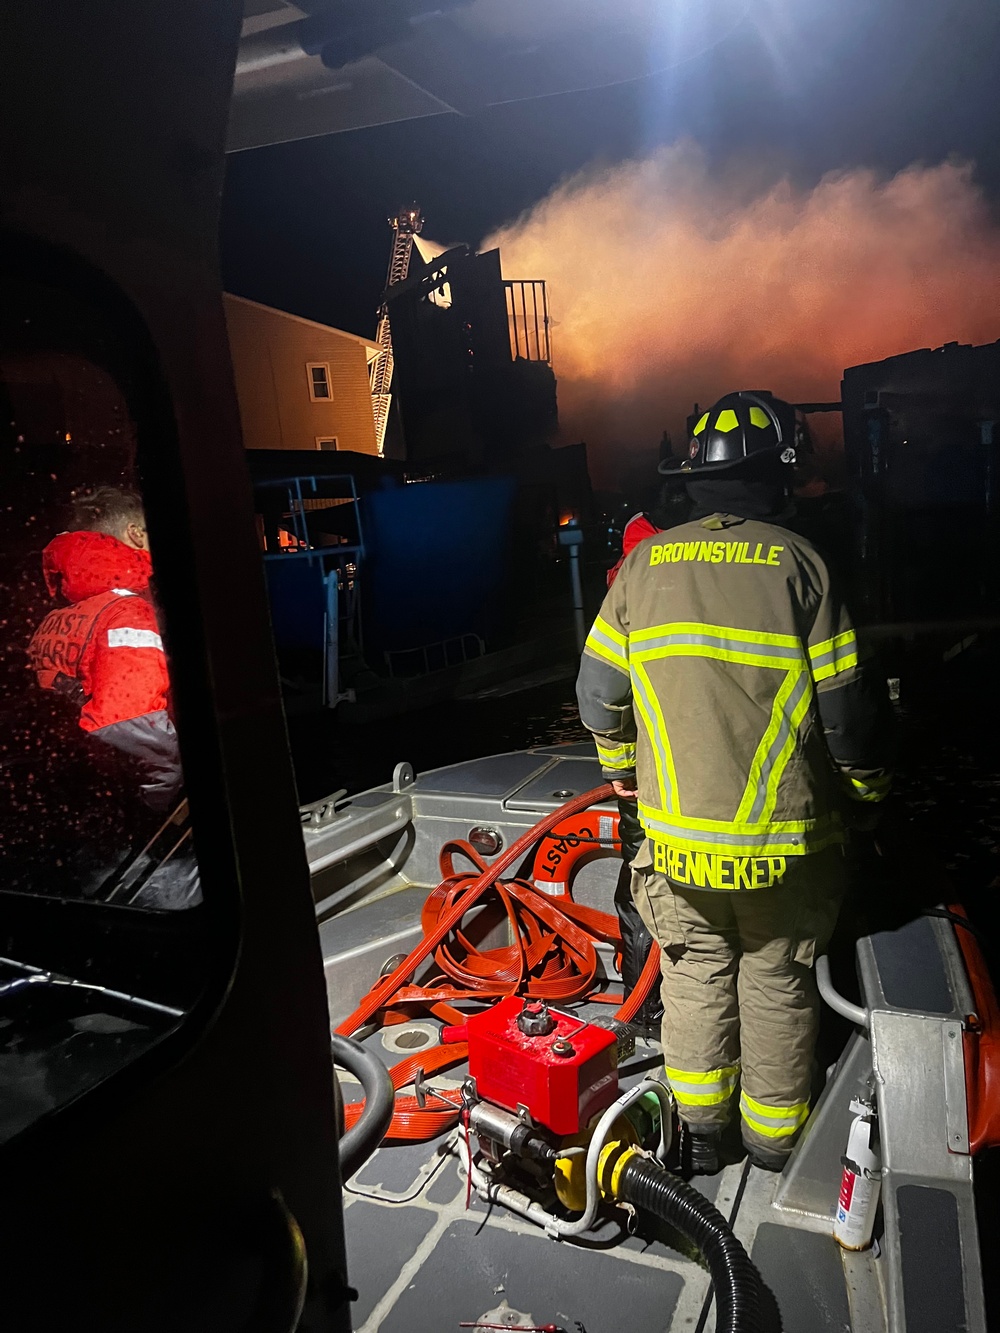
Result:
{"points": [[495, 777], [911, 969], [931, 1253], [566, 778], [803, 1271], [442, 1264], [467, 1273]]}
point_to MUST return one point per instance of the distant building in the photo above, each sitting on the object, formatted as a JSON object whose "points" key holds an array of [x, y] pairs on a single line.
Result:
{"points": [[301, 385], [922, 448]]}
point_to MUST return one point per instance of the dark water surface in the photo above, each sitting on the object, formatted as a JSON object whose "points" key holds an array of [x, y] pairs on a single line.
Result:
{"points": [[330, 753], [945, 807]]}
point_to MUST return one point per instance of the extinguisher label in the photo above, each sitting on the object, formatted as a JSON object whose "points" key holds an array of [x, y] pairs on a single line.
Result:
{"points": [[855, 1210], [846, 1194]]}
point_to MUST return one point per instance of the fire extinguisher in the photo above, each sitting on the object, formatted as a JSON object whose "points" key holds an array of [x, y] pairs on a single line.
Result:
{"points": [[861, 1182]]}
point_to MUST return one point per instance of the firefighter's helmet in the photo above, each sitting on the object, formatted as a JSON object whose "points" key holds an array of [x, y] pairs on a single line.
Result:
{"points": [[740, 426]]}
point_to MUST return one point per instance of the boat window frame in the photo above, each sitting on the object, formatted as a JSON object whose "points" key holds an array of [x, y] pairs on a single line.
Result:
{"points": [[117, 340]]}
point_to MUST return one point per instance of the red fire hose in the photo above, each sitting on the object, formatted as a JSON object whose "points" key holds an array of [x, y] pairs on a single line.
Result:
{"points": [[552, 958]]}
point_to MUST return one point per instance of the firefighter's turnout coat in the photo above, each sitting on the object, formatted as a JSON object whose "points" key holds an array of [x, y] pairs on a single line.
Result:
{"points": [[723, 673], [102, 648]]}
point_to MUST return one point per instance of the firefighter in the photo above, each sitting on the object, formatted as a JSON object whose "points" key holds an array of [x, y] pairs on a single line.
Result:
{"points": [[102, 648], [724, 686]]}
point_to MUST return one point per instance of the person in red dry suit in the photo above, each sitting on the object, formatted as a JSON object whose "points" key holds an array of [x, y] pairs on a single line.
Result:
{"points": [[102, 647], [636, 939]]}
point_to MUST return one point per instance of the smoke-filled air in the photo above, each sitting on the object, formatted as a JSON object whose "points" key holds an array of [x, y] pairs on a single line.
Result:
{"points": [[670, 285]]}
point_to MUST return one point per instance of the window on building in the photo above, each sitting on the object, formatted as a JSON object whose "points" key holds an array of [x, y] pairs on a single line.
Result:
{"points": [[328, 442], [319, 381]]}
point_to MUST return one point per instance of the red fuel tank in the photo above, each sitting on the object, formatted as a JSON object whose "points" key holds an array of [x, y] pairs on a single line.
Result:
{"points": [[564, 1076]]}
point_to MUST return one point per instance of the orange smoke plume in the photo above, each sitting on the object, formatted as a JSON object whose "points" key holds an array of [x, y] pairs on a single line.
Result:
{"points": [[668, 285]]}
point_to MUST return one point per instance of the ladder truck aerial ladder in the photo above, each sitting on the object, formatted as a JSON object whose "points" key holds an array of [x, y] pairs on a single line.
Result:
{"points": [[406, 224]]}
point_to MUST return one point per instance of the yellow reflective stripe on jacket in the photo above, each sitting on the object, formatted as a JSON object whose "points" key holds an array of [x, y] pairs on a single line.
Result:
{"points": [[790, 707], [693, 639], [750, 647], [874, 789], [833, 656], [783, 838], [691, 1088], [699, 631], [607, 643], [656, 729], [773, 1122], [616, 756]]}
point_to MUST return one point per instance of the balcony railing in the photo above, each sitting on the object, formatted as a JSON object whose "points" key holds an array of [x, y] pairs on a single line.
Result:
{"points": [[528, 318]]}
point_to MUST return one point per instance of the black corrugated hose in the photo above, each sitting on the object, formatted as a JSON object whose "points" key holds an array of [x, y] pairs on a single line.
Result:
{"points": [[647, 1184], [361, 1140]]}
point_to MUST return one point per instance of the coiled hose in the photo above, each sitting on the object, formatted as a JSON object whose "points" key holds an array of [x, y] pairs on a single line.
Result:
{"points": [[368, 1131], [553, 957], [648, 1185]]}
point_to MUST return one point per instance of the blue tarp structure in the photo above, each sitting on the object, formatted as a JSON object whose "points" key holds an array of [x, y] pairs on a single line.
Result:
{"points": [[297, 594], [436, 561]]}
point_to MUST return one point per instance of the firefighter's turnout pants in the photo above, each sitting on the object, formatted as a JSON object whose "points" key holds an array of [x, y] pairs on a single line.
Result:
{"points": [[740, 1004]]}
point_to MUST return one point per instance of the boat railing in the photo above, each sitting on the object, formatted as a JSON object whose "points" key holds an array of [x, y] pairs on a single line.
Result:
{"points": [[409, 662]]}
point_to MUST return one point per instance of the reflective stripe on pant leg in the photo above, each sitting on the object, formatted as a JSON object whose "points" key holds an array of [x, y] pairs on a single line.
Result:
{"points": [[711, 1088], [698, 963], [772, 1122], [781, 929]]}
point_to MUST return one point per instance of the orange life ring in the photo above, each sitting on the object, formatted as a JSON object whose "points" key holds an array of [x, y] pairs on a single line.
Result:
{"points": [[573, 842]]}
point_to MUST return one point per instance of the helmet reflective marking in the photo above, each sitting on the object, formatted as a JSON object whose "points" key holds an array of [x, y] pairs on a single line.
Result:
{"points": [[727, 420], [739, 426]]}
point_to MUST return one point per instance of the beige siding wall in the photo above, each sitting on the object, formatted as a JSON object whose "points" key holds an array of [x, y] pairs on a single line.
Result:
{"points": [[271, 351]]}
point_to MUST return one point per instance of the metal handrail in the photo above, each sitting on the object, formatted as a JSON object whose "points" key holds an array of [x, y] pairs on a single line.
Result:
{"points": [[837, 1002], [360, 843]]}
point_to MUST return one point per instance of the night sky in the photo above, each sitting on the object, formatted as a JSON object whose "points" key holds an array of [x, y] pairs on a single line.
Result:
{"points": [[803, 87]]}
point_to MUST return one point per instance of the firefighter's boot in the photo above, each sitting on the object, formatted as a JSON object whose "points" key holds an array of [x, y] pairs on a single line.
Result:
{"points": [[701, 1150], [767, 1159]]}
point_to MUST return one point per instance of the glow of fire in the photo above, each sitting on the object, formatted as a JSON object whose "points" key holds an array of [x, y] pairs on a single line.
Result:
{"points": [[669, 284]]}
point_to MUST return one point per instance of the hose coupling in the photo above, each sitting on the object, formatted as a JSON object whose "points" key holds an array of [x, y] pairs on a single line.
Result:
{"points": [[614, 1157]]}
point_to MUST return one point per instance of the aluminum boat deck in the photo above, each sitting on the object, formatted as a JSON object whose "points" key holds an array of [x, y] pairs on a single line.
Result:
{"points": [[424, 1262]]}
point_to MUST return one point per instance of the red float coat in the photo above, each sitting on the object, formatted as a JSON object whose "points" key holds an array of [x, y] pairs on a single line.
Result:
{"points": [[638, 527], [103, 649]]}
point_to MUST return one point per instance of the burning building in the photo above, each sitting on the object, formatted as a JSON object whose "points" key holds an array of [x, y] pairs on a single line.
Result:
{"points": [[473, 361]]}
